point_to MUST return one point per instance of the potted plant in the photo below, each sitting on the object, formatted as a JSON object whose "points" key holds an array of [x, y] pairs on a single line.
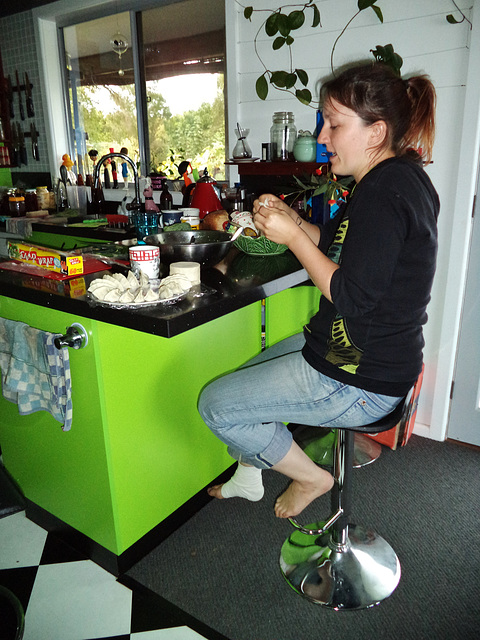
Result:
{"points": [[320, 194]]}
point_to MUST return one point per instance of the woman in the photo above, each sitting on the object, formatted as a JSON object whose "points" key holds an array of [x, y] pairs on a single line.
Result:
{"points": [[374, 265]]}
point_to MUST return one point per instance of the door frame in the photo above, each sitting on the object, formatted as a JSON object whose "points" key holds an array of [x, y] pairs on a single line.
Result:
{"points": [[467, 171]]}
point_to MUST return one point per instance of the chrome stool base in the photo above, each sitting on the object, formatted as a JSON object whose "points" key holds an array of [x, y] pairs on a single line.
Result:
{"points": [[355, 575], [365, 451], [334, 563]]}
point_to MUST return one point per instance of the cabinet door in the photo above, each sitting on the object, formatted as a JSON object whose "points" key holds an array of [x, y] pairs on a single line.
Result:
{"points": [[286, 312]]}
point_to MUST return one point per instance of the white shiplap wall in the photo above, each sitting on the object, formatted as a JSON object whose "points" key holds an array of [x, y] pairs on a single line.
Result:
{"points": [[428, 44]]}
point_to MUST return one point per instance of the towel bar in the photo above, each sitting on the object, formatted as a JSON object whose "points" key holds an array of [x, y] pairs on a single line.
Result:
{"points": [[75, 338]]}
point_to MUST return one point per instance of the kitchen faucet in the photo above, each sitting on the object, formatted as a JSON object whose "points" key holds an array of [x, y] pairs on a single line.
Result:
{"points": [[136, 203]]}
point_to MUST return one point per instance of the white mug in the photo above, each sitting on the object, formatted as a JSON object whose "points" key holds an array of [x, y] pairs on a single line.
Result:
{"points": [[145, 258]]}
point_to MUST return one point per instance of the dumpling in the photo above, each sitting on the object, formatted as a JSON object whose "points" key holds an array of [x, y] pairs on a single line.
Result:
{"points": [[101, 292], [132, 280], [165, 292], [127, 297], [150, 295], [181, 282], [100, 282], [113, 295], [139, 297], [109, 278], [122, 280]]}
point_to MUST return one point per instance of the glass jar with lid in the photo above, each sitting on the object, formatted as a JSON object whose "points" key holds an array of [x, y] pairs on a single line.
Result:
{"points": [[283, 134], [31, 200], [43, 197], [16, 205]]}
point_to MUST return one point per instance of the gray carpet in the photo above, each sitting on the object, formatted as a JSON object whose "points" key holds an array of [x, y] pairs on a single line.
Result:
{"points": [[222, 566]]}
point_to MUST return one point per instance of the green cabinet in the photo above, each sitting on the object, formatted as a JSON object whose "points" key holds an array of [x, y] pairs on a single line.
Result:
{"points": [[137, 449], [287, 311]]}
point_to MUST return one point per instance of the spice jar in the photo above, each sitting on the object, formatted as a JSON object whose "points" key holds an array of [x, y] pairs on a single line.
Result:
{"points": [[16, 205], [283, 134]]}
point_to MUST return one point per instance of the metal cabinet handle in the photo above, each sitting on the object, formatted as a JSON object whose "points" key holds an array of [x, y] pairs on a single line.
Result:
{"points": [[75, 338]]}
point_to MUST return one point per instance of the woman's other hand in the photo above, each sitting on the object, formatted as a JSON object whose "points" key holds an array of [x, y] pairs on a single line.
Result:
{"points": [[274, 219]]}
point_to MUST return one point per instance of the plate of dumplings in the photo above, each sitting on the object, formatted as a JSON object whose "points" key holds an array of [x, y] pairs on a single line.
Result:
{"points": [[119, 291]]}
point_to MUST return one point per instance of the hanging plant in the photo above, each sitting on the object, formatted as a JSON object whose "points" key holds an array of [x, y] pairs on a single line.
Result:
{"points": [[452, 20], [281, 26], [388, 56]]}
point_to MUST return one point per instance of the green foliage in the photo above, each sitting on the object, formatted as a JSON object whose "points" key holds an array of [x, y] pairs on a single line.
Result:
{"points": [[321, 182], [388, 56], [113, 129], [279, 26], [192, 129], [452, 20], [172, 138]]}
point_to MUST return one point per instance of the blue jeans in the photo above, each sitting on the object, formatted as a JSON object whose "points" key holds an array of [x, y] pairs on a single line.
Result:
{"points": [[247, 409]]}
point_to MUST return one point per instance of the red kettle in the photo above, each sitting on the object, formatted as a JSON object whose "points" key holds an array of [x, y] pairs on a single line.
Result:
{"points": [[204, 197]]}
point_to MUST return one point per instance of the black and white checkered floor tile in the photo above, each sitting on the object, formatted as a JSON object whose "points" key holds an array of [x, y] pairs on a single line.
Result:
{"points": [[68, 597]]}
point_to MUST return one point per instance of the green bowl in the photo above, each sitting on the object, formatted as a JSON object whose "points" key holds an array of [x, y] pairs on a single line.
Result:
{"points": [[259, 246]]}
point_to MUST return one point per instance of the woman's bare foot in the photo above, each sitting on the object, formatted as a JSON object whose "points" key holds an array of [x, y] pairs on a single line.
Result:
{"points": [[215, 491], [299, 495]]}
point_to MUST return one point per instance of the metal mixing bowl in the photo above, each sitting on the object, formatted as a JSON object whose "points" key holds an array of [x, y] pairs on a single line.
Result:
{"points": [[206, 247]]}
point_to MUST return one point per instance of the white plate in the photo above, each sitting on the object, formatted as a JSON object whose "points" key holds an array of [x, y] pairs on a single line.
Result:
{"points": [[240, 160], [136, 305]]}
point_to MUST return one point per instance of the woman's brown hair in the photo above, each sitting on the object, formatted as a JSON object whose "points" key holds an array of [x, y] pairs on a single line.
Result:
{"points": [[407, 106]]}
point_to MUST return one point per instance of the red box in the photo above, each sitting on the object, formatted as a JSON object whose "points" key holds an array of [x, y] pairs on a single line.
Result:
{"points": [[400, 433]]}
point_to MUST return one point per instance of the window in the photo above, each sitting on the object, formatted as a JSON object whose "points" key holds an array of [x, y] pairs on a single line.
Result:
{"points": [[170, 106], [101, 88]]}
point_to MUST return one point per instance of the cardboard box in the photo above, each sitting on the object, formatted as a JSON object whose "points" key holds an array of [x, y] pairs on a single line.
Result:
{"points": [[62, 262], [400, 434]]}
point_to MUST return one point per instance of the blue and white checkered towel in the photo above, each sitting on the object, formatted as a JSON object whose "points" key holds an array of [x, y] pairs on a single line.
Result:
{"points": [[35, 374]]}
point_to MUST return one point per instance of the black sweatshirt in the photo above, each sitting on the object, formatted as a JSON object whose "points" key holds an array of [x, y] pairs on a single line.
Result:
{"points": [[385, 241]]}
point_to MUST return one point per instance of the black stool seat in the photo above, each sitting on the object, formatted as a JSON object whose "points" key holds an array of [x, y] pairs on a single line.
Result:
{"points": [[385, 423], [335, 563], [317, 442]]}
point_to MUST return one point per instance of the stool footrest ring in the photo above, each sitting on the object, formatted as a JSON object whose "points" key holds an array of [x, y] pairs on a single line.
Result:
{"points": [[317, 532]]}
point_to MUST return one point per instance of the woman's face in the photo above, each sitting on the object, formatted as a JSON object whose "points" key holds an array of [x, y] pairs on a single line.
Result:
{"points": [[349, 139]]}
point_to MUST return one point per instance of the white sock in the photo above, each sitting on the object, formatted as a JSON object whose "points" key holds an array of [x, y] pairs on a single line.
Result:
{"points": [[246, 482]]}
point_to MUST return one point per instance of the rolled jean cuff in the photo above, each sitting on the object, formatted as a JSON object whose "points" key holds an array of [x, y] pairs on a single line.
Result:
{"points": [[272, 454]]}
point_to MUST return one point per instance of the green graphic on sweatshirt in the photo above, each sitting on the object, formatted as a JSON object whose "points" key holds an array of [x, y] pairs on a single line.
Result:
{"points": [[335, 249], [341, 350]]}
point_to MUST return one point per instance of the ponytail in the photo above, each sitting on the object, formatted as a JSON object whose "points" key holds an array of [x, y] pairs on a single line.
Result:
{"points": [[421, 132]]}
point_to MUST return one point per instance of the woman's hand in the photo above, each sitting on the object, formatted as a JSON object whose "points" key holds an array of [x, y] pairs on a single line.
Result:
{"points": [[278, 222], [275, 219]]}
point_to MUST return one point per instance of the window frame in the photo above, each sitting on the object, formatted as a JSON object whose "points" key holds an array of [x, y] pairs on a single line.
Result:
{"points": [[49, 24]]}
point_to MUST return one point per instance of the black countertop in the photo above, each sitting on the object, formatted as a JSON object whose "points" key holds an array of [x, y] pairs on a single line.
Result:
{"points": [[237, 281], [56, 225]]}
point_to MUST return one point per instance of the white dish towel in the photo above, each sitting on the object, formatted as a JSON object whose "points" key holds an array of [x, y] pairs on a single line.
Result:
{"points": [[35, 374]]}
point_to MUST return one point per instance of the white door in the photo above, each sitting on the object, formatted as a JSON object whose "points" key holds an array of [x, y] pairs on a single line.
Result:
{"points": [[464, 420]]}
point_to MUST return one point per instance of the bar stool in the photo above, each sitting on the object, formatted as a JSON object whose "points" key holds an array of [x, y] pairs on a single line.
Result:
{"points": [[335, 563], [320, 447]]}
